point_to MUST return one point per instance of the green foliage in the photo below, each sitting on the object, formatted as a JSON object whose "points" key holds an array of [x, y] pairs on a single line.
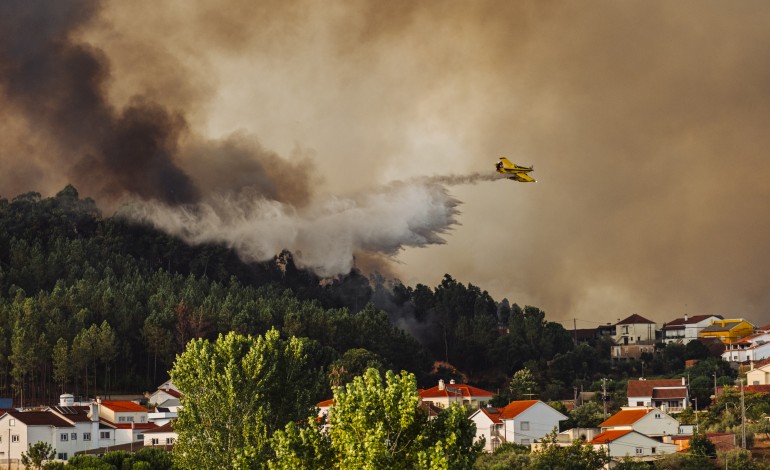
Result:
{"points": [[629, 463], [508, 456], [701, 445], [237, 391], [576, 456], [37, 454], [302, 448], [379, 425], [587, 415], [683, 462]]}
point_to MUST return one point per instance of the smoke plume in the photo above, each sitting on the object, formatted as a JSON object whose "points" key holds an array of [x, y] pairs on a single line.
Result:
{"points": [[646, 122]]}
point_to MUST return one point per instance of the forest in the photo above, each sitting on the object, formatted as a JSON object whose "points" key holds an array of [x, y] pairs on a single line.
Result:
{"points": [[95, 305]]}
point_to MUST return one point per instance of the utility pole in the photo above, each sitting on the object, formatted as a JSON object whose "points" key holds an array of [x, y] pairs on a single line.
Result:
{"points": [[743, 419]]}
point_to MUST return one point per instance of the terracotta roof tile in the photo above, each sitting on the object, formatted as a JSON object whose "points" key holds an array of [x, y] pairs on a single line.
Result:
{"points": [[515, 408], [643, 388], [123, 406], [455, 390], [609, 436], [39, 418], [634, 319], [625, 417]]}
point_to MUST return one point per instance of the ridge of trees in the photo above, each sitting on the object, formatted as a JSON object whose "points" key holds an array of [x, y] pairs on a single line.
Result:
{"points": [[81, 293]]}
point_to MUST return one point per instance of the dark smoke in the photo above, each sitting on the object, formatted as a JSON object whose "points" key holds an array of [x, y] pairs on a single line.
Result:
{"points": [[59, 84]]}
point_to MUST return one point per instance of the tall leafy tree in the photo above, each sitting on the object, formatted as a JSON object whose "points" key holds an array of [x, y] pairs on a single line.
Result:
{"points": [[377, 424], [237, 391]]}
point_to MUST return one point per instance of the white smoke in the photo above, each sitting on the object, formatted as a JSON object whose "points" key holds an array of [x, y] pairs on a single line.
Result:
{"points": [[324, 235]]}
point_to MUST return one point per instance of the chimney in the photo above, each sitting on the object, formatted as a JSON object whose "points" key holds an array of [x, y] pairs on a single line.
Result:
{"points": [[684, 381], [441, 384], [685, 317], [451, 381]]}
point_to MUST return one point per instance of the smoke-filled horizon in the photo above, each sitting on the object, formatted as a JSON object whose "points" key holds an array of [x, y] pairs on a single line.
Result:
{"points": [[288, 123]]}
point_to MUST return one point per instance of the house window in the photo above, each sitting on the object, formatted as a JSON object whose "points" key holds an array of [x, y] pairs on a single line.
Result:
{"points": [[639, 451], [169, 440], [11, 422], [657, 415], [61, 456], [140, 437], [15, 438], [74, 436], [155, 441], [104, 435], [525, 442], [86, 436], [653, 450], [64, 436], [640, 403], [525, 425]]}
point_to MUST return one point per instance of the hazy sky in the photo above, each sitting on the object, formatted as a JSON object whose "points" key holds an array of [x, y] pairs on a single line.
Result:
{"points": [[311, 125]]}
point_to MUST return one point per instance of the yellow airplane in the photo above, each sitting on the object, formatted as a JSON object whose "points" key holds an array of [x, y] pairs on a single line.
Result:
{"points": [[518, 173]]}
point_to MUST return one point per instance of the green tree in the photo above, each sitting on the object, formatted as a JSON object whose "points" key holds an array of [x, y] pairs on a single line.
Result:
{"points": [[702, 445], [588, 415], [576, 456], [522, 385], [37, 454], [302, 448], [236, 392], [61, 364]]}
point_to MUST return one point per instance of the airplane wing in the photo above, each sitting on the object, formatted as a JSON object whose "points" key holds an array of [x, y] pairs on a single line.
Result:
{"points": [[522, 178], [506, 163]]}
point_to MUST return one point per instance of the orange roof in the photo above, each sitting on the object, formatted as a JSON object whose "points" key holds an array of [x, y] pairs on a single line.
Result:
{"points": [[492, 413], [513, 408], [609, 436], [643, 388], [325, 403], [625, 417], [455, 390], [123, 406]]}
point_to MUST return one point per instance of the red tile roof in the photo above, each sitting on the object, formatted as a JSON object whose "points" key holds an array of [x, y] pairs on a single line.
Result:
{"points": [[514, 408], [168, 427], [643, 388], [40, 418], [123, 406], [492, 413], [129, 425], [609, 436], [325, 403], [625, 417], [634, 319], [668, 393], [681, 322], [454, 390]]}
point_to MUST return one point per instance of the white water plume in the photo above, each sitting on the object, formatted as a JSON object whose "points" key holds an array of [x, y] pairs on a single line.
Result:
{"points": [[324, 235]]}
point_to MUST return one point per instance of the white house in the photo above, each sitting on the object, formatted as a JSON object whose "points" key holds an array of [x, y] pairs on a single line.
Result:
{"points": [[635, 329], [647, 421], [755, 347], [521, 422], [21, 429], [629, 443], [129, 419], [443, 395], [92, 432], [759, 376], [686, 329], [166, 396], [162, 436], [670, 395]]}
